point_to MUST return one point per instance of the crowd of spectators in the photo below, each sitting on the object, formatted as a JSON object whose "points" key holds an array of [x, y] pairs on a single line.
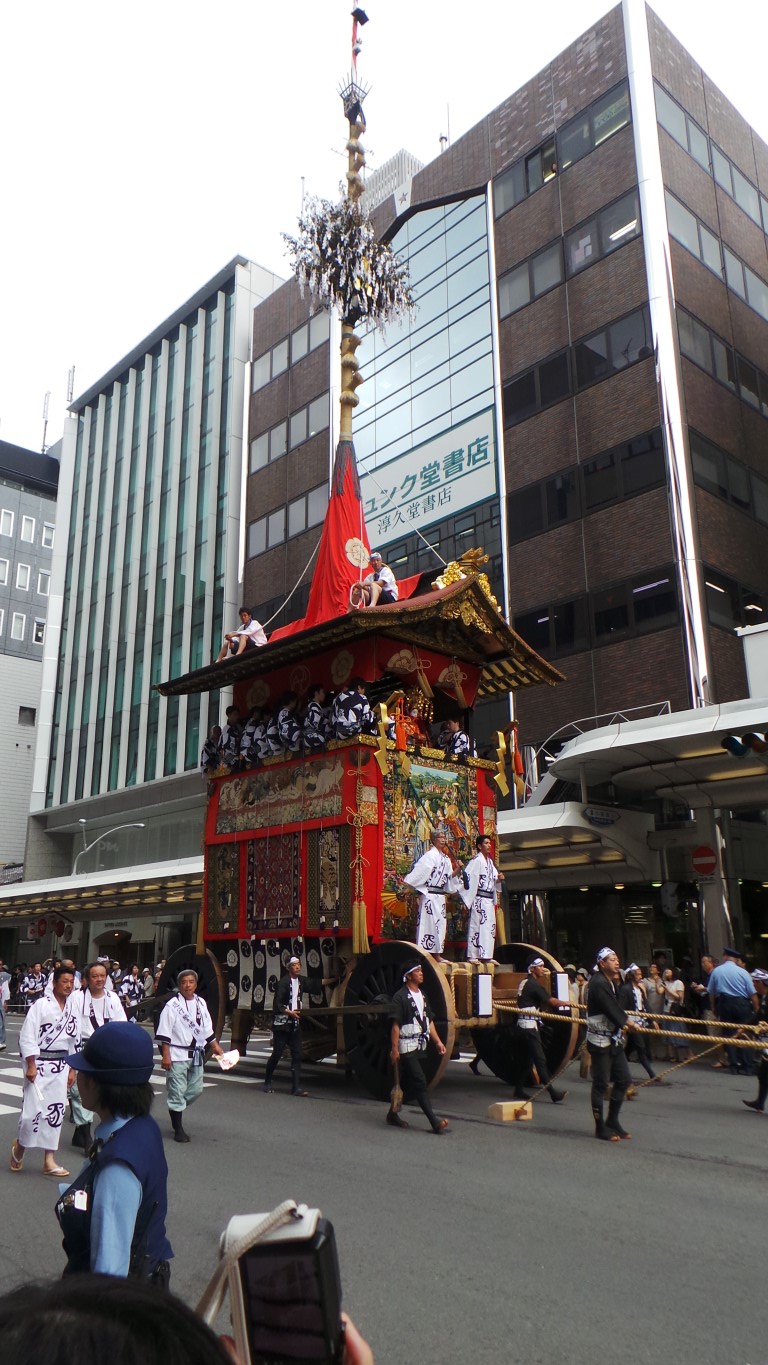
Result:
{"points": [[24, 983]]}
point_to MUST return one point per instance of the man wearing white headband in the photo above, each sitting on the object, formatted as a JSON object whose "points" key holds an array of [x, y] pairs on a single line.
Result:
{"points": [[286, 1023], [412, 1031], [535, 996], [433, 876], [606, 1021], [760, 981]]}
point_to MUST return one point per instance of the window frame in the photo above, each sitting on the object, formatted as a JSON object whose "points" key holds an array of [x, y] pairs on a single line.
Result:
{"points": [[38, 628], [47, 526], [5, 512], [23, 571], [18, 616]]}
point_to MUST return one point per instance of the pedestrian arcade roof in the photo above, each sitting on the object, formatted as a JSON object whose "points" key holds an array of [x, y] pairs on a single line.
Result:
{"points": [[562, 845], [679, 756], [165, 888], [460, 620]]}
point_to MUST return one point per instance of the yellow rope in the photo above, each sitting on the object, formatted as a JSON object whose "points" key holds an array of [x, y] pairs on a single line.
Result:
{"points": [[760, 1045]]}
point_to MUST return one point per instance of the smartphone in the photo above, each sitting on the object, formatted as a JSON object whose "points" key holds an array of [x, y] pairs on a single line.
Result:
{"points": [[288, 1310]]}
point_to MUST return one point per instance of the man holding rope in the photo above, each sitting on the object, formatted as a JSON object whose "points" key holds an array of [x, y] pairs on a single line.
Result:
{"points": [[606, 1022]]}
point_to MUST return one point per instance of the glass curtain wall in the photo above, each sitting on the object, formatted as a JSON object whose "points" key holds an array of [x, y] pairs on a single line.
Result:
{"points": [[146, 560]]}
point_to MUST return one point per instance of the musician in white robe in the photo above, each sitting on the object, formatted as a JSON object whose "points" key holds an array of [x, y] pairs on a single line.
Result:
{"points": [[94, 1006], [50, 1032], [184, 1032], [433, 877], [481, 882]]}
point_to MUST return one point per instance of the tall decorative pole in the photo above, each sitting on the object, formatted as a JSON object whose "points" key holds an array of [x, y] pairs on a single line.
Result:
{"points": [[352, 95], [336, 253]]}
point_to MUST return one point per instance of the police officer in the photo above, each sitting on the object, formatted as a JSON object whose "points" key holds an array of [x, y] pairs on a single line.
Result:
{"points": [[734, 1000], [760, 979], [113, 1215]]}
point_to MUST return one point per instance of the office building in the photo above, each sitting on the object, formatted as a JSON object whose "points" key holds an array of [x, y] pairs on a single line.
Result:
{"points": [[145, 575], [28, 484], [583, 389]]}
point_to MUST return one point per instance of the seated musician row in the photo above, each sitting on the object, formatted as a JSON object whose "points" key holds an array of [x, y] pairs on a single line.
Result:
{"points": [[287, 730]]}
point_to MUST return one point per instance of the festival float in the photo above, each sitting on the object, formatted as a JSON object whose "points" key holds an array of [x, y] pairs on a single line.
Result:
{"points": [[305, 854]]}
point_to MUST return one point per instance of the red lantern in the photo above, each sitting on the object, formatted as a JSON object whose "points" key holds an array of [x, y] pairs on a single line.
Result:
{"points": [[42, 927]]}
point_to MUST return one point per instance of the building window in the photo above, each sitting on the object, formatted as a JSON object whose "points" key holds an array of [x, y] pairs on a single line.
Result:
{"points": [[318, 414], [257, 537], [261, 372], [727, 478], [731, 604], [22, 577], [299, 343], [302, 340], [531, 279], [710, 352], [593, 126], [275, 528], [28, 530], [27, 715], [698, 239], [2, 619], [38, 631], [637, 606], [546, 383], [43, 583], [298, 428], [4, 566], [18, 625], [307, 511], [46, 539], [619, 345], [614, 225], [727, 175], [6, 522]]}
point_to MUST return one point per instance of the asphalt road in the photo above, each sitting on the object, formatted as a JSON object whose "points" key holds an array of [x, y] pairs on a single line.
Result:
{"points": [[525, 1242]]}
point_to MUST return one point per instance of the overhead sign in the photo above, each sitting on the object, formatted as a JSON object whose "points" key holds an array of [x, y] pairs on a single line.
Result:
{"points": [[435, 480], [704, 860], [599, 816]]}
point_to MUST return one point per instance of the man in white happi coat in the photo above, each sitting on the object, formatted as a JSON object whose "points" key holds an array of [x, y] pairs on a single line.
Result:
{"points": [[184, 1032], [481, 881], [433, 877], [50, 1032], [94, 1006]]}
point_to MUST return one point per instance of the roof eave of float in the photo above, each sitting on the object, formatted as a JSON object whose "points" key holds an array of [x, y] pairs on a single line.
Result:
{"points": [[507, 661]]}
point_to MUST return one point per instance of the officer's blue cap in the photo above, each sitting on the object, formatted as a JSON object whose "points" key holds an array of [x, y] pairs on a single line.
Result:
{"points": [[732, 952], [118, 1054]]}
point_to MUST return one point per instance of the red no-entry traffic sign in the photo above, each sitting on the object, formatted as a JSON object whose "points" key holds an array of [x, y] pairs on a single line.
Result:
{"points": [[704, 860]]}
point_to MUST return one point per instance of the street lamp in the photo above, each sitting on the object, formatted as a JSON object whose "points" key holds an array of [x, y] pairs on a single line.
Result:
{"points": [[134, 824]]}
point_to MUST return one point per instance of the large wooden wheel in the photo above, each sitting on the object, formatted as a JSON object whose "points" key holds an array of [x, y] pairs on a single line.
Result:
{"points": [[500, 1047], [374, 979], [211, 986]]}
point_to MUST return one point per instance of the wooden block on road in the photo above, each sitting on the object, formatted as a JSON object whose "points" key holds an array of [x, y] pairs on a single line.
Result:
{"points": [[511, 1111]]}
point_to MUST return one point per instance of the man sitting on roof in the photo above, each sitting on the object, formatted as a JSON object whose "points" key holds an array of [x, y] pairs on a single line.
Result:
{"points": [[248, 636], [378, 587]]}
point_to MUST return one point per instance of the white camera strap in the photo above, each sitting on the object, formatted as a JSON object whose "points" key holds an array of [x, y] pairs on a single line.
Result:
{"points": [[213, 1295]]}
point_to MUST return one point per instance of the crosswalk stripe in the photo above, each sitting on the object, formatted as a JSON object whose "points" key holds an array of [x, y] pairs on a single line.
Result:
{"points": [[6, 1089]]}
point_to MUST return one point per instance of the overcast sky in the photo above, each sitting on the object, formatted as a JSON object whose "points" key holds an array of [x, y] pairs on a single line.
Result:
{"points": [[145, 145]]}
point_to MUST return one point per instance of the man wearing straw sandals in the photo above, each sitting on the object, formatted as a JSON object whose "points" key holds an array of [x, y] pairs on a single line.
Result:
{"points": [[50, 1032]]}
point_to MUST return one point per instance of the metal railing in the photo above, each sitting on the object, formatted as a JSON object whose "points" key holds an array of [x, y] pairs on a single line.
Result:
{"points": [[548, 751]]}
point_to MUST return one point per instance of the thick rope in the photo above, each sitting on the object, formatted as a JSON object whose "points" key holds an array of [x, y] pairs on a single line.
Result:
{"points": [[296, 585], [761, 1044]]}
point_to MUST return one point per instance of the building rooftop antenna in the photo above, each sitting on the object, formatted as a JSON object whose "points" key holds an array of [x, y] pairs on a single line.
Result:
{"points": [[46, 401]]}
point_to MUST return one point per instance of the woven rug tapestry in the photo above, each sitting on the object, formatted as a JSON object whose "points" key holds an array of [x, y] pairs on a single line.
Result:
{"points": [[223, 908], [273, 883], [329, 877]]}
